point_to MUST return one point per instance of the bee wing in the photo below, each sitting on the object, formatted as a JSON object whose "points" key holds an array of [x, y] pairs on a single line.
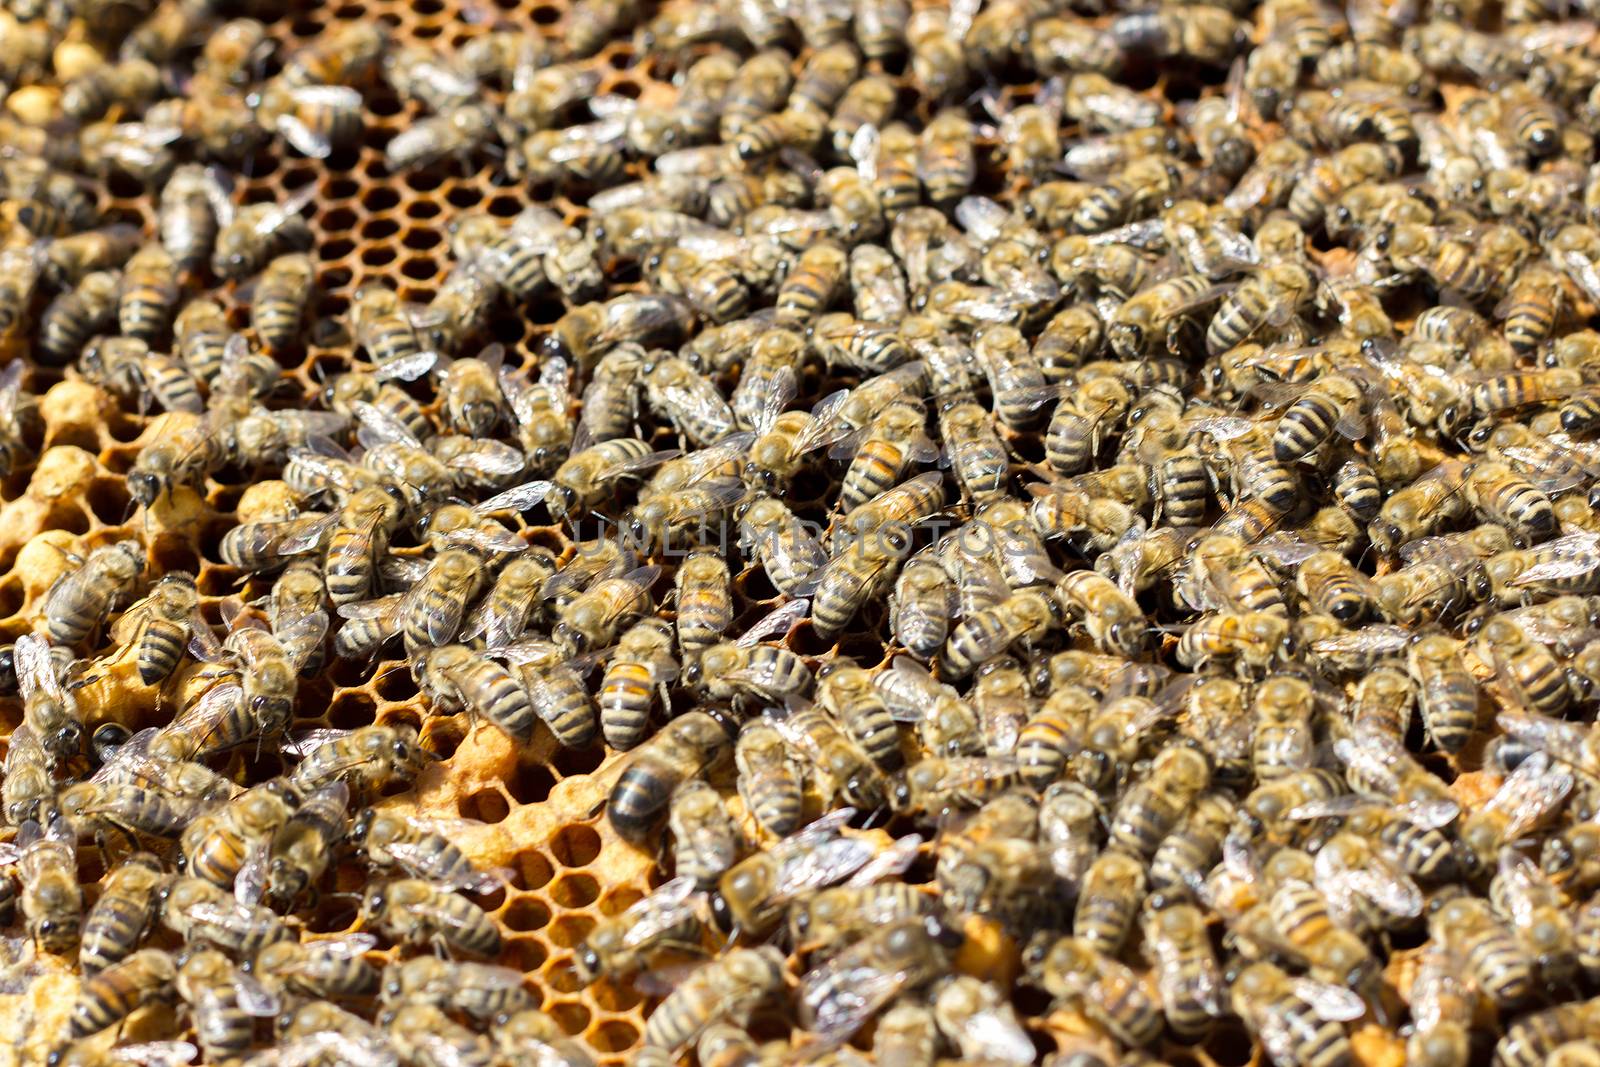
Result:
{"points": [[1523, 883], [1389, 887], [780, 393], [1000, 1035], [889, 863], [332, 1046], [1530, 793], [517, 498], [422, 861], [1337, 807], [487, 539], [639, 463], [308, 535], [776, 624], [384, 608], [270, 221], [864, 151], [345, 946], [1330, 1002], [1377, 640], [407, 368], [1566, 557], [1016, 552], [1554, 737], [839, 996], [10, 387], [378, 427], [36, 668], [155, 1053], [303, 138], [1146, 234], [255, 998], [981, 217], [661, 911], [218, 189], [1582, 270]]}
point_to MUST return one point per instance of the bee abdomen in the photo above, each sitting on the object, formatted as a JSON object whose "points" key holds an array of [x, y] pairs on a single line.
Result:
{"points": [[626, 695]]}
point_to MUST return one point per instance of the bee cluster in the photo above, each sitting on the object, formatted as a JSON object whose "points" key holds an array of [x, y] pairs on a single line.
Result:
{"points": [[1054, 534]]}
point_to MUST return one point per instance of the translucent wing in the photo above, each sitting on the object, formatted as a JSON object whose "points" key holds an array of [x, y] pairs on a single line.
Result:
{"points": [[1571, 556], [639, 463], [155, 1053], [1555, 737], [661, 911], [407, 368], [517, 498], [311, 740], [487, 539], [36, 668], [889, 863], [864, 151], [250, 884], [423, 859], [345, 946], [1531, 792], [839, 997], [488, 460], [1331, 1002], [1523, 883], [270, 221], [378, 427], [998, 1037], [255, 998], [776, 624]]}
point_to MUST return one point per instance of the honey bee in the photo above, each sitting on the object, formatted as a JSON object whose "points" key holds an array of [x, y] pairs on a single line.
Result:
{"points": [[49, 711], [345, 57], [46, 861], [149, 293], [679, 751], [893, 958], [203, 913], [216, 845], [368, 757], [1537, 1036], [706, 841], [978, 638], [160, 625], [281, 295], [330, 967], [728, 988], [667, 918], [1297, 1020], [422, 848], [124, 912], [126, 366], [423, 1033], [116, 992], [317, 1028], [252, 235], [415, 911], [581, 481], [1498, 964], [1527, 796], [223, 1001], [1447, 695], [1074, 970], [77, 315], [479, 990], [786, 550], [770, 780], [1107, 613], [748, 668], [1420, 508], [1522, 893], [457, 677]]}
